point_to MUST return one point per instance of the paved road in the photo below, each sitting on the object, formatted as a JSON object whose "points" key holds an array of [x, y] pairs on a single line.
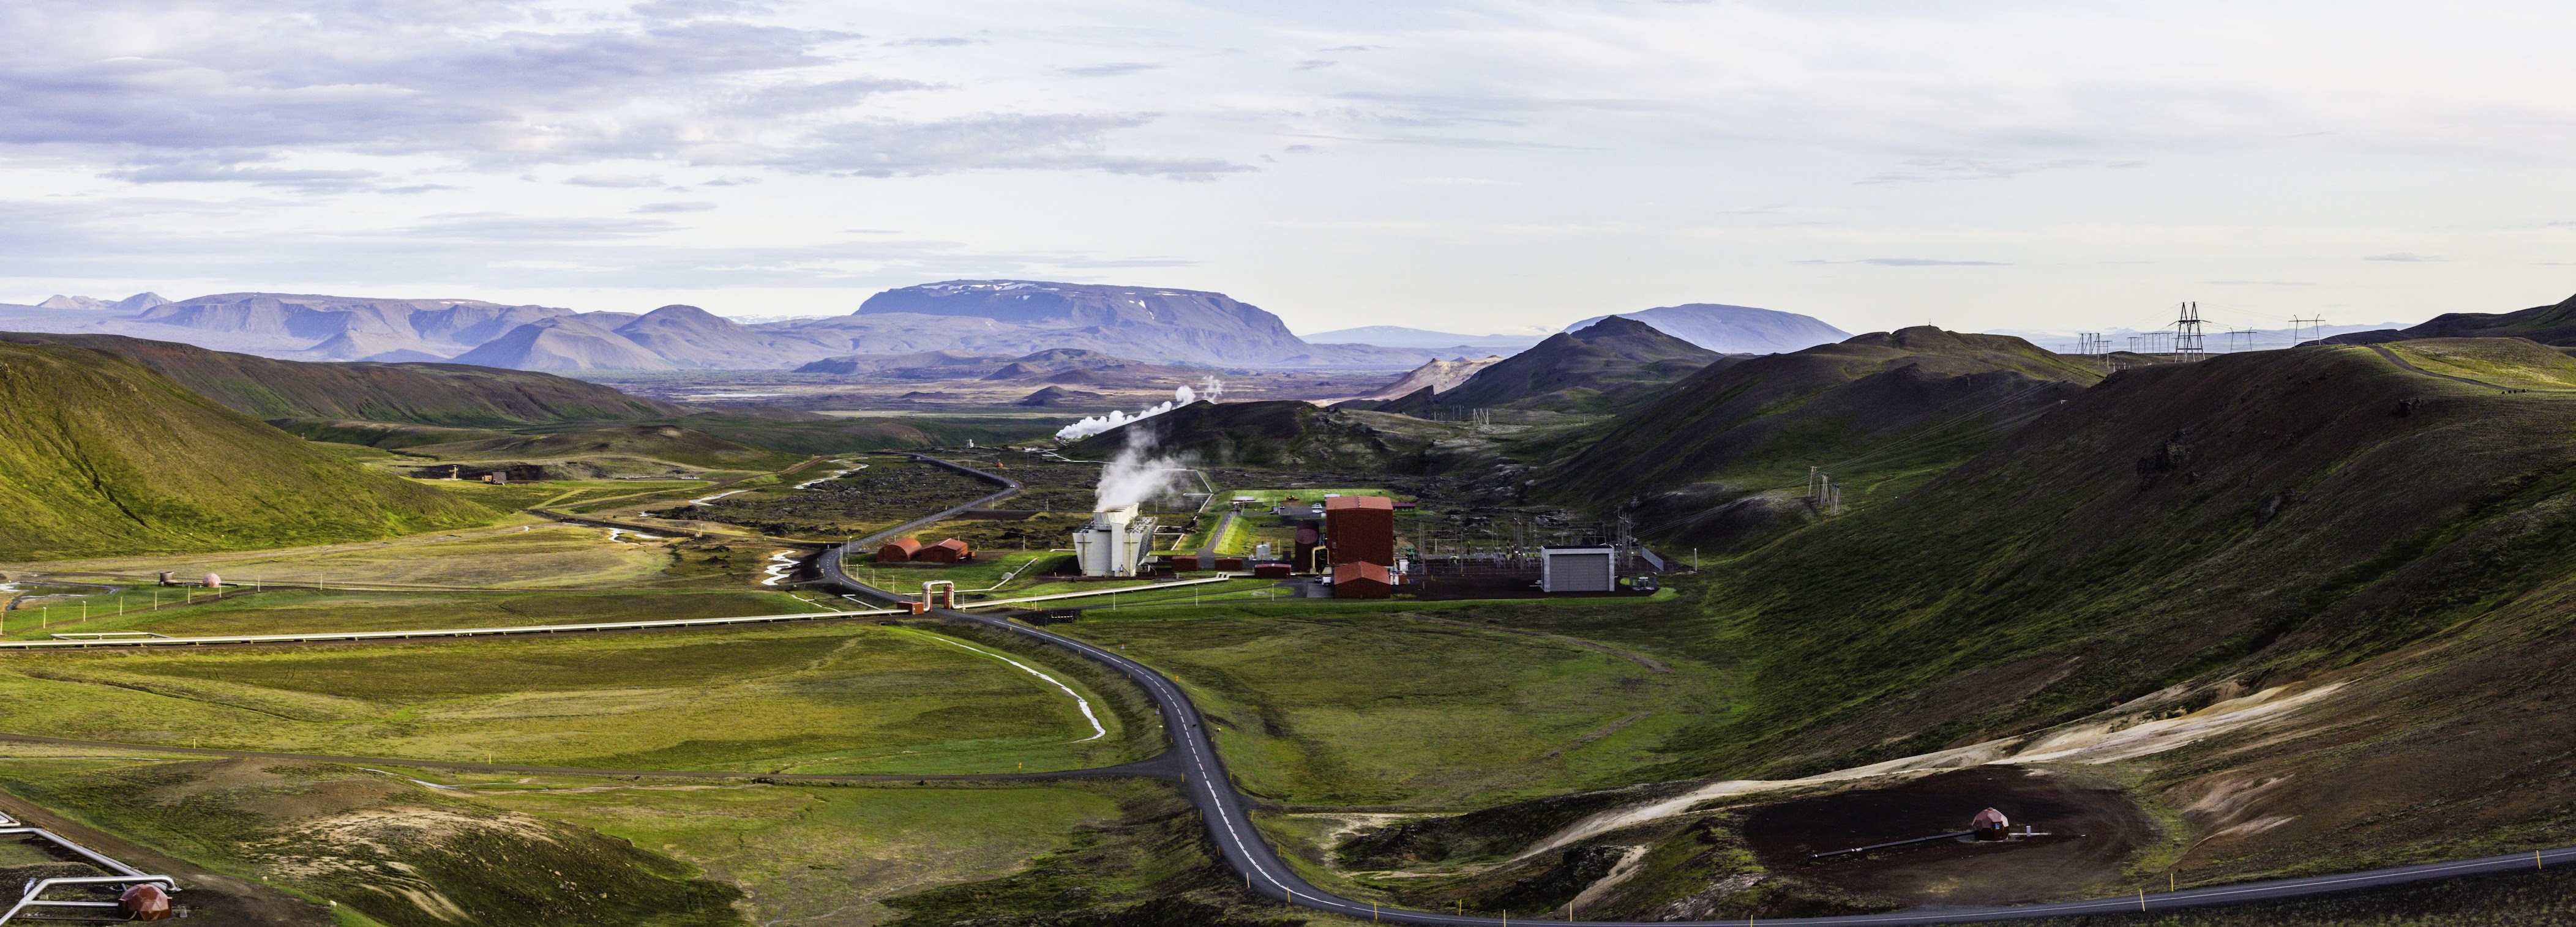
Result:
{"points": [[1226, 812]]}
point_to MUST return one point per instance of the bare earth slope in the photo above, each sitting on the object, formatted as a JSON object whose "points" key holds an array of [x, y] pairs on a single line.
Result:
{"points": [[105, 456]]}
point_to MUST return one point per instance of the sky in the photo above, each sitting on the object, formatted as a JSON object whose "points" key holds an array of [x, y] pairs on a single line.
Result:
{"points": [[1494, 167]]}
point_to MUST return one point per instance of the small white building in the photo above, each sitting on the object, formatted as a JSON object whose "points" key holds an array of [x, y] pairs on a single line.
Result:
{"points": [[1577, 569], [1114, 543]]}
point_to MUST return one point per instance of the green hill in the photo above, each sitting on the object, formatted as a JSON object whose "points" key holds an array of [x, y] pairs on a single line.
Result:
{"points": [[1606, 365], [1282, 433], [2553, 324], [2309, 609], [2179, 534], [430, 394], [1882, 412], [105, 456]]}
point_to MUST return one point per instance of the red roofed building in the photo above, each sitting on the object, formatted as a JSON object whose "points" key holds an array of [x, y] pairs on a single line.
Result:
{"points": [[951, 550], [899, 550], [1361, 581], [1360, 529]]}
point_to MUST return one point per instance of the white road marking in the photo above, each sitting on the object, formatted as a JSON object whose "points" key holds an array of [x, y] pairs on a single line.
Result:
{"points": [[1097, 731]]}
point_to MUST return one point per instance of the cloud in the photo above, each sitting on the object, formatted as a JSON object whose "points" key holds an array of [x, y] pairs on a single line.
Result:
{"points": [[615, 181], [886, 148], [944, 41], [652, 208], [2401, 257], [1930, 170], [1313, 63], [1112, 69], [1349, 48], [1910, 262], [301, 179]]}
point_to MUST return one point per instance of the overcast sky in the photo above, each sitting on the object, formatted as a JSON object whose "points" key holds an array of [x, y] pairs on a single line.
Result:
{"points": [[1494, 166]]}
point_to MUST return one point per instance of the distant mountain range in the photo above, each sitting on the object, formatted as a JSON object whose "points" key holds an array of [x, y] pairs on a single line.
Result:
{"points": [[1006, 318], [1734, 329]]}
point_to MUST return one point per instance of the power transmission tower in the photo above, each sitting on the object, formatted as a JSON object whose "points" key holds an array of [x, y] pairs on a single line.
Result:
{"points": [[2300, 329], [2236, 333], [2187, 343]]}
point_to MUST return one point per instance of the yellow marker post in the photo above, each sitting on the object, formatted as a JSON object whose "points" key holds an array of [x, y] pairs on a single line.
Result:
{"points": [[2142, 899]]}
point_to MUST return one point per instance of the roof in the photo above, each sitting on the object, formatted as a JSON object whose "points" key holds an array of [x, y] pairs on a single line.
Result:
{"points": [[951, 544], [1337, 503], [909, 546], [1356, 570], [1989, 818]]}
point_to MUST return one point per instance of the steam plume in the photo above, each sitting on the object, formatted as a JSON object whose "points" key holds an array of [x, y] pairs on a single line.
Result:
{"points": [[1097, 424], [1136, 475]]}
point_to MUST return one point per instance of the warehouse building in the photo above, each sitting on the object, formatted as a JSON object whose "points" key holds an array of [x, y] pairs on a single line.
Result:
{"points": [[1577, 569]]}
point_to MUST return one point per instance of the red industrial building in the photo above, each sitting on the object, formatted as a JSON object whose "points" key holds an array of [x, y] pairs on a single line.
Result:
{"points": [[951, 550], [1362, 581], [1185, 563], [899, 550], [1360, 529]]}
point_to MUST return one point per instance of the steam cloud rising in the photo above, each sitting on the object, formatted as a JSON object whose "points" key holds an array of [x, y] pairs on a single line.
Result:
{"points": [[1136, 475]]}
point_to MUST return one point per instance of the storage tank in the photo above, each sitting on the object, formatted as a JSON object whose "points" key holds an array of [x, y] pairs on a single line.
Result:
{"points": [[214, 582]]}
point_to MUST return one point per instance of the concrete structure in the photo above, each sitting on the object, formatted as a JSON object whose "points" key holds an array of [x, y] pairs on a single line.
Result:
{"points": [[1990, 824], [1114, 543], [1362, 581], [951, 550], [1360, 529], [899, 550], [1577, 569]]}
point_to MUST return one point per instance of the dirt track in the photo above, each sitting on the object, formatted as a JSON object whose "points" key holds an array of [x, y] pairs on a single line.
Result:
{"points": [[2095, 827]]}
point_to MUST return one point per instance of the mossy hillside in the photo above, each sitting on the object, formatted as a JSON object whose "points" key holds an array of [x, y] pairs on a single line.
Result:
{"points": [[430, 394], [812, 854], [2173, 522], [1881, 411], [2513, 363], [106, 456], [402, 854]]}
